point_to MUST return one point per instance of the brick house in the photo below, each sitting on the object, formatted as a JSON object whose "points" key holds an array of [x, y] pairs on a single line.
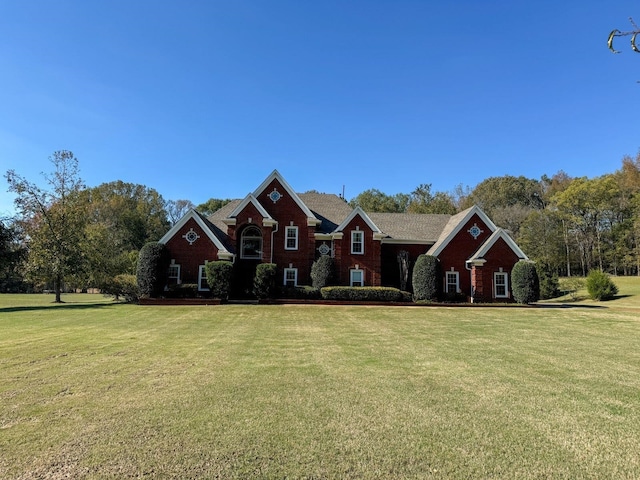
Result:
{"points": [[276, 225]]}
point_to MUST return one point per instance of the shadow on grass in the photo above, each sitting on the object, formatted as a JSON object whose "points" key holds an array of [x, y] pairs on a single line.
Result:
{"points": [[64, 306], [568, 305]]}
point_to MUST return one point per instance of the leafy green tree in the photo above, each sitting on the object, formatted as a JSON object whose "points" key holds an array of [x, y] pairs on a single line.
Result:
{"points": [[53, 220], [542, 237], [12, 256], [422, 200], [501, 192], [212, 205], [122, 218], [589, 207], [374, 200], [525, 283]]}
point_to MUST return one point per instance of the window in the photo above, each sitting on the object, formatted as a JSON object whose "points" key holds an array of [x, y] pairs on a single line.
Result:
{"points": [[357, 242], [251, 243], [203, 285], [356, 278], [500, 285], [174, 273], [291, 238], [452, 282], [290, 277]]}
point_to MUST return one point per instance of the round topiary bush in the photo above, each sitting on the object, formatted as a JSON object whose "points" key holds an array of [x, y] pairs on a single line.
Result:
{"points": [[264, 283], [427, 278], [322, 272], [153, 264], [219, 278], [600, 286], [525, 283]]}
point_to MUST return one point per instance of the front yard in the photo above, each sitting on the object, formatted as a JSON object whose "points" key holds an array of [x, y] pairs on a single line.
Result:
{"points": [[93, 389]]}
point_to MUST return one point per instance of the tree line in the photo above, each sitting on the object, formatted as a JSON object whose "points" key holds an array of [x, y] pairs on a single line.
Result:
{"points": [[66, 235]]}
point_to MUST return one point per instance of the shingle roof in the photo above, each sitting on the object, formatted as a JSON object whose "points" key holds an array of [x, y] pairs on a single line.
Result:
{"points": [[331, 210], [411, 226]]}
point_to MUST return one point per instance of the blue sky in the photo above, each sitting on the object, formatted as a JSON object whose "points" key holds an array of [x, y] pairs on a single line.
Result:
{"points": [[202, 99]]}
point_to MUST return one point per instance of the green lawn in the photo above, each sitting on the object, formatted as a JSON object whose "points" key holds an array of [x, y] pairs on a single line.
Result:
{"points": [[94, 389]]}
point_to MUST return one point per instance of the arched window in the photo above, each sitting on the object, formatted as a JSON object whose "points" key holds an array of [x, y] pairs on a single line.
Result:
{"points": [[251, 243]]}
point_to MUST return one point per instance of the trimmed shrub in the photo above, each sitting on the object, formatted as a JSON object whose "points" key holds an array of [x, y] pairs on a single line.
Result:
{"points": [[427, 278], [600, 286], [219, 278], [322, 272], [125, 286], [182, 290], [304, 292], [153, 263], [525, 283], [362, 294], [264, 283]]}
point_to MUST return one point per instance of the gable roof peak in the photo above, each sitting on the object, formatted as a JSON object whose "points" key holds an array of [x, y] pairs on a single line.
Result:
{"points": [[358, 211], [275, 175]]}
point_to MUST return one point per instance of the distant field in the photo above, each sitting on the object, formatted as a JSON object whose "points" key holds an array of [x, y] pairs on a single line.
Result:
{"points": [[94, 389]]}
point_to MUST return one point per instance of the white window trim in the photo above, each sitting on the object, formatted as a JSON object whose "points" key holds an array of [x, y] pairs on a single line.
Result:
{"points": [[202, 276], [176, 277], [446, 281], [351, 274], [295, 276], [495, 284], [287, 237], [355, 233], [242, 239]]}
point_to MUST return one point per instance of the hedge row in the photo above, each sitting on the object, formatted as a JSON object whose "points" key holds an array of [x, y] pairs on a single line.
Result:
{"points": [[365, 294]]}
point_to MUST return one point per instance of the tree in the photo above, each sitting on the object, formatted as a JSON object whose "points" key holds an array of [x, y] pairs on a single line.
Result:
{"points": [[122, 218], [617, 33], [374, 200], [176, 209], [12, 255], [53, 220], [212, 205], [422, 200]]}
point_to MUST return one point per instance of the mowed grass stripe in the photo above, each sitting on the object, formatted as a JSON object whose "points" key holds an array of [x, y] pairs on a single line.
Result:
{"points": [[94, 389]]}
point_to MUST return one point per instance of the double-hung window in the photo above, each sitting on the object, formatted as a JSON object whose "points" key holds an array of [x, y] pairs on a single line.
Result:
{"points": [[500, 285], [357, 242], [174, 273], [452, 282], [291, 238], [203, 285], [356, 278], [291, 277]]}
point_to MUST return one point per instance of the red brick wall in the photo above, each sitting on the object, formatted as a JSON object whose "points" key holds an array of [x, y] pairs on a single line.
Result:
{"points": [[287, 213], [461, 248], [369, 262], [500, 256], [190, 257]]}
